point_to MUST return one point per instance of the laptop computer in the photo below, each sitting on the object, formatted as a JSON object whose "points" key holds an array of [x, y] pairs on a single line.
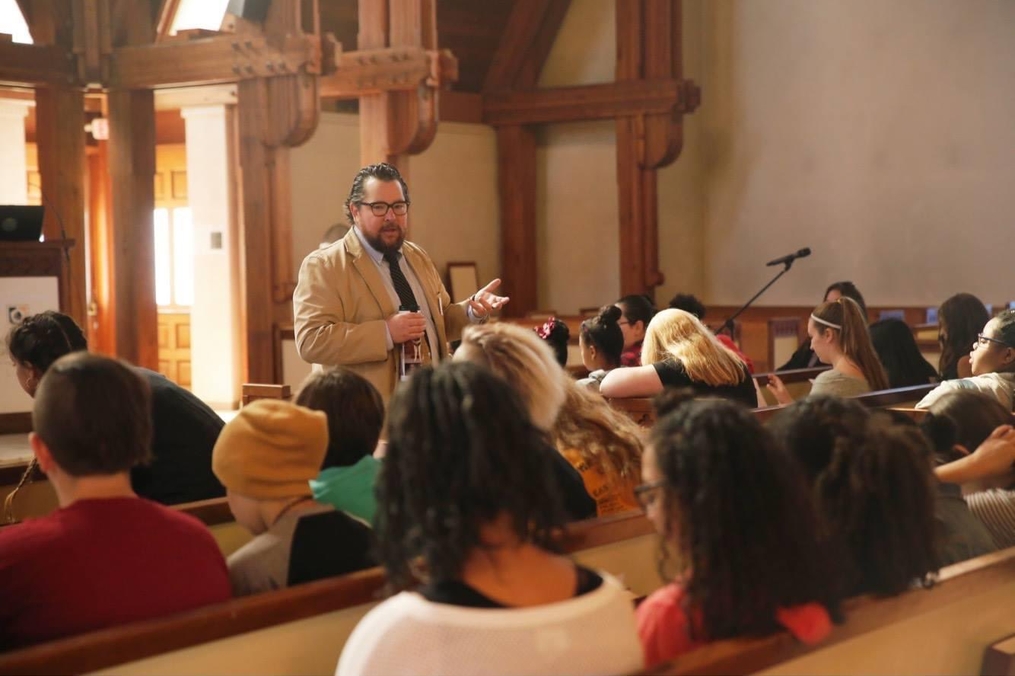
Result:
{"points": [[20, 223]]}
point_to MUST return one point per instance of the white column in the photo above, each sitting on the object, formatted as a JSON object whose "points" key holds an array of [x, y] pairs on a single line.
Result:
{"points": [[215, 328], [13, 158]]}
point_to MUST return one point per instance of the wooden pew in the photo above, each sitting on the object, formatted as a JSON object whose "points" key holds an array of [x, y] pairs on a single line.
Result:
{"points": [[945, 629], [300, 630], [903, 398], [254, 391]]}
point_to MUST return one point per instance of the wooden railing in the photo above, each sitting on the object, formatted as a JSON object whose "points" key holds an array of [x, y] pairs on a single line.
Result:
{"points": [[264, 612]]}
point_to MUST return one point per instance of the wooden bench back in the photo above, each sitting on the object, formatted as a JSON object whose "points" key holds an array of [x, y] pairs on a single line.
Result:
{"points": [[254, 391], [640, 408], [300, 630], [945, 629]]}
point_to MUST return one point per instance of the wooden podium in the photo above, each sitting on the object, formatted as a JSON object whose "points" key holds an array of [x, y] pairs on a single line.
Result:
{"points": [[40, 259]]}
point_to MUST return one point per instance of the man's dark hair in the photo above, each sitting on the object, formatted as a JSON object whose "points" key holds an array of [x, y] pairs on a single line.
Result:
{"points": [[94, 414], [637, 308], [382, 172], [355, 413], [462, 451], [39, 340], [688, 303], [739, 510], [848, 290], [874, 489]]}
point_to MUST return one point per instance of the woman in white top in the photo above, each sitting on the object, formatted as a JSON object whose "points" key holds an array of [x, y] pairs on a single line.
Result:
{"points": [[992, 362], [839, 336], [467, 506]]}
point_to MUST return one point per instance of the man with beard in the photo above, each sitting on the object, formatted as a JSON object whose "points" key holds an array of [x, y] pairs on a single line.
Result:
{"points": [[360, 300]]}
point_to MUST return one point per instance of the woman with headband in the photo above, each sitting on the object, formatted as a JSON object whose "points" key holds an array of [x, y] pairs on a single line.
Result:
{"points": [[839, 336]]}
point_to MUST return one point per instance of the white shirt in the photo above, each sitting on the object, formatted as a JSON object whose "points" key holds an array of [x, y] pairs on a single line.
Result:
{"points": [[594, 633]]}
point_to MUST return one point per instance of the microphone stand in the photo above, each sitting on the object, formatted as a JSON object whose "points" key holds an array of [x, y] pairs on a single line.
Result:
{"points": [[728, 324]]}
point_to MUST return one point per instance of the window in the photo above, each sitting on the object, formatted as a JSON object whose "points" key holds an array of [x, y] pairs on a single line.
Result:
{"points": [[206, 14], [13, 23], [174, 257]]}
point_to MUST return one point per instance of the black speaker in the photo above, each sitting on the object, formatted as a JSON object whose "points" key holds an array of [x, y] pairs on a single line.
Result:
{"points": [[251, 10]]}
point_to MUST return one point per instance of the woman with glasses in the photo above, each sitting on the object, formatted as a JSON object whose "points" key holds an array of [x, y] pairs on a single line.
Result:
{"points": [[468, 515], [992, 362], [739, 534], [960, 318]]}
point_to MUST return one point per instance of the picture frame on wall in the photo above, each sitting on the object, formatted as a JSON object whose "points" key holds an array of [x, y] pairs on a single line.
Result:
{"points": [[463, 280]]}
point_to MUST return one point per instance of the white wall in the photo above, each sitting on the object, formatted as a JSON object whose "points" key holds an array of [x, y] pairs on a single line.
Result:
{"points": [[878, 133], [453, 186], [31, 295]]}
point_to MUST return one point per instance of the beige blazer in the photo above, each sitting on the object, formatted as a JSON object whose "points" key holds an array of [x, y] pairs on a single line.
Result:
{"points": [[340, 306]]}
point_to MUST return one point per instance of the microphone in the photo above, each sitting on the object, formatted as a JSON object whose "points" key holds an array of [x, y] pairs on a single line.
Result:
{"points": [[789, 258]]}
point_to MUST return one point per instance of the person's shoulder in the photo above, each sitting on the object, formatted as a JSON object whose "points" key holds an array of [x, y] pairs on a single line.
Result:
{"points": [[380, 633], [20, 539]]}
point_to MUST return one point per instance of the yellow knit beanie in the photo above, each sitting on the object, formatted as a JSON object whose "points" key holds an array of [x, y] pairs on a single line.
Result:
{"points": [[271, 449]]}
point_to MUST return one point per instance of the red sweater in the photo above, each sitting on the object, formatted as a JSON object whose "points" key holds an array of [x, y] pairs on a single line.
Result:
{"points": [[664, 629], [103, 562]]}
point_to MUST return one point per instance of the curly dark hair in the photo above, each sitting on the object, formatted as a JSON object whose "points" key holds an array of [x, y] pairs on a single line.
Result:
{"points": [[355, 413], [743, 519], [461, 451], [603, 332], [688, 303], [960, 318], [896, 348], [382, 171], [39, 340], [874, 489]]}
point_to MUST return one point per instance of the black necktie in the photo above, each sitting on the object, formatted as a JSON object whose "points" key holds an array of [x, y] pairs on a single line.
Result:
{"points": [[402, 288]]}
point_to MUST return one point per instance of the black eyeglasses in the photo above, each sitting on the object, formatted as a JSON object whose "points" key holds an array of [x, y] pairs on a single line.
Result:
{"points": [[646, 493], [380, 209], [983, 340]]}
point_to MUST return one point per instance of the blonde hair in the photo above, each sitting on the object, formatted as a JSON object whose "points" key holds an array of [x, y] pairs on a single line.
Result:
{"points": [[847, 321], [527, 363], [604, 438], [677, 335]]}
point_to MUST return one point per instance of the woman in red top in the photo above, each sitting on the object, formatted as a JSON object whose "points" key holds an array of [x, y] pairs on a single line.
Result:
{"points": [[739, 534]]}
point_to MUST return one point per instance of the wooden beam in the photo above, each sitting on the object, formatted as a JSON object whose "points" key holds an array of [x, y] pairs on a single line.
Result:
{"points": [[368, 72], [215, 60], [61, 140], [256, 161], [539, 49], [586, 102], [516, 177], [36, 65], [101, 333], [166, 14], [522, 27], [132, 239]]}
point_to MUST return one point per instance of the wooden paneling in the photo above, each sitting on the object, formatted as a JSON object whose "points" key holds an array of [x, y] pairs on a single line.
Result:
{"points": [[174, 347]]}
